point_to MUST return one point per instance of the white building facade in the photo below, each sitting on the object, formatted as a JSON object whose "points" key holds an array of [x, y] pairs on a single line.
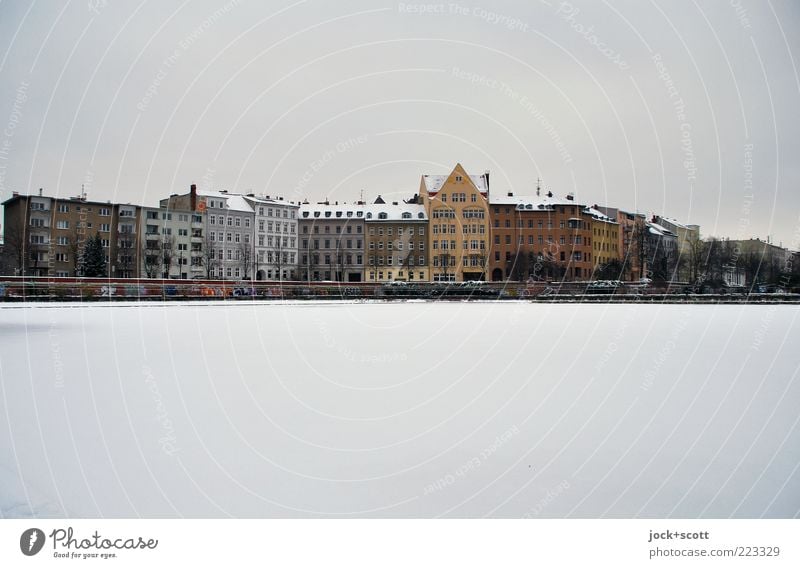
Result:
{"points": [[275, 238]]}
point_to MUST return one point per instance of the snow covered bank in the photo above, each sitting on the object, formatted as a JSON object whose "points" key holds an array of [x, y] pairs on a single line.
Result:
{"points": [[406, 409]]}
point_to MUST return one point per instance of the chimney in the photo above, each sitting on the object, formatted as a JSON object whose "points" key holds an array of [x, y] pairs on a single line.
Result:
{"points": [[549, 194], [570, 196], [193, 197], [486, 177], [40, 192], [511, 194], [15, 194]]}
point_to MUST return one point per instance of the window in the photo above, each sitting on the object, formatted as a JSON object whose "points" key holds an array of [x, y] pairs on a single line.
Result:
{"points": [[62, 224], [64, 208], [105, 227]]}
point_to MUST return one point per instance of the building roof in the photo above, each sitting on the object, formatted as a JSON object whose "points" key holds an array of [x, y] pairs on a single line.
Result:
{"points": [[267, 200], [332, 211], [396, 211], [233, 201], [433, 183], [546, 203], [660, 231]]}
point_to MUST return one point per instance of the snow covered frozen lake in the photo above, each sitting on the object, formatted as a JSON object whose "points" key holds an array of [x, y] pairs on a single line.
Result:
{"points": [[459, 409]]}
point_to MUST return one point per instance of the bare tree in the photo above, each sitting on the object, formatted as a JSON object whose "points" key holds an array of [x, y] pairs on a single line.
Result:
{"points": [[75, 247], [279, 257], [152, 261], [125, 254], [245, 257], [14, 249], [208, 257], [341, 261], [695, 259], [167, 254], [519, 265]]}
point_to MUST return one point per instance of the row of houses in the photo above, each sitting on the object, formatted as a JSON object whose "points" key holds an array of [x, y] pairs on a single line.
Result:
{"points": [[452, 229]]}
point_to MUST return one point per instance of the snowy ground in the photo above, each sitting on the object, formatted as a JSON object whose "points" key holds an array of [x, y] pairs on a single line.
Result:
{"points": [[399, 410]]}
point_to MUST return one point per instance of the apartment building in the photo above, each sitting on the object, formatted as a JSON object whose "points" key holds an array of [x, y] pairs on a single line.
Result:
{"points": [[171, 246], [275, 240], [46, 235], [605, 239], [632, 240], [397, 239], [545, 237], [662, 253], [332, 241], [458, 211]]}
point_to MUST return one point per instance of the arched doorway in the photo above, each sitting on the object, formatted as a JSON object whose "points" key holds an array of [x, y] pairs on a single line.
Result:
{"points": [[261, 275], [497, 275]]}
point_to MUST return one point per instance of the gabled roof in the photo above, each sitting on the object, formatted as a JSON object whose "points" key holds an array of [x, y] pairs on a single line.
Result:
{"points": [[434, 183]]}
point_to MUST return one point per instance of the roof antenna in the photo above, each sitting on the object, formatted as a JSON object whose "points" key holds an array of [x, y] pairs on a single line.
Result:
{"points": [[538, 186]]}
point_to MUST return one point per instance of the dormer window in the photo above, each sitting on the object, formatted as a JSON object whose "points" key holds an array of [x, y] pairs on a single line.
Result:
{"points": [[338, 213], [406, 215], [421, 215], [359, 213], [316, 213], [327, 213], [369, 215], [382, 215], [349, 213]]}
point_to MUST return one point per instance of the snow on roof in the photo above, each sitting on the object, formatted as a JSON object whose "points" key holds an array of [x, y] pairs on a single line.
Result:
{"points": [[267, 200], [673, 222], [657, 229], [537, 203], [433, 183], [332, 211], [396, 212], [238, 203], [233, 201], [599, 215]]}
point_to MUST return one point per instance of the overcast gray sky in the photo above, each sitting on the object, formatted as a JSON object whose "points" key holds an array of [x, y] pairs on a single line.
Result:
{"points": [[682, 108]]}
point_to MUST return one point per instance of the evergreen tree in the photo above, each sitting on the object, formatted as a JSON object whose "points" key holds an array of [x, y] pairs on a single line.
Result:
{"points": [[94, 257]]}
